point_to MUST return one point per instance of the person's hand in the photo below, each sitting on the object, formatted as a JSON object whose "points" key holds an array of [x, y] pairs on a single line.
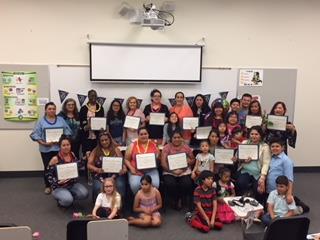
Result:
{"points": [[49, 144], [123, 171], [193, 175], [234, 159], [134, 171], [248, 160], [100, 170], [95, 217], [207, 221], [212, 222], [261, 185], [177, 172], [289, 199], [291, 127], [148, 118]]}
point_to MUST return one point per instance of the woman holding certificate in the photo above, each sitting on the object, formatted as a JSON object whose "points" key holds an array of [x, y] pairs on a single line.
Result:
{"points": [[135, 118], [141, 158], [183, 111], [91, 110], [176, 160], [47, 133], [70, 114], [279, 127], [63, 173], [252, 173], [156, 115], [106, 161]]}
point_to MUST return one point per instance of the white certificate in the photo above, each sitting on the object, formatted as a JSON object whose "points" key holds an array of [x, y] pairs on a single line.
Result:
{"points": [[246, 151], [203, 132], [223, 156], [157, 119], [190, 123], [146, 161], [67, 171], [253, 121], [112, 164], [132, 122], [53, 134], [98, 123], [177, 161], [277, 122]]}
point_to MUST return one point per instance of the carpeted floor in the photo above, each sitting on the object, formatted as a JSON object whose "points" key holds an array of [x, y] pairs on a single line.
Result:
{"points": [[23, 203]]}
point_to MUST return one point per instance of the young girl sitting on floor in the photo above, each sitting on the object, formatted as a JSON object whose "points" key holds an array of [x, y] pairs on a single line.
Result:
{"points": [[204, 160], [147, 203], [224, 188], [108, 202]]}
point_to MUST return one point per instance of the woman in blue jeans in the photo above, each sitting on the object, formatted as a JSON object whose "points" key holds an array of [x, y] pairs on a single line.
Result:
{"points": [[65, 191], [106, 147]]}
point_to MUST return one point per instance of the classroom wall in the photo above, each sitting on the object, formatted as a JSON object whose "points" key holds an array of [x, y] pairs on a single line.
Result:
{"points": [[248, 33]]}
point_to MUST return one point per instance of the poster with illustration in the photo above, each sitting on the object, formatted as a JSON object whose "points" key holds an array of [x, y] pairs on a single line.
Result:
{"points": [[20, 91], [251, 77]]}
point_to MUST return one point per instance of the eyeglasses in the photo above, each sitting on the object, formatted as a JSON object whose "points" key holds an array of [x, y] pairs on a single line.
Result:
{"points": [[108, 186]]}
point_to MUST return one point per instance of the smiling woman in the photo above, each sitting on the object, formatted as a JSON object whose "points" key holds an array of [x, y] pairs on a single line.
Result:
{"points": [[48, 146]]}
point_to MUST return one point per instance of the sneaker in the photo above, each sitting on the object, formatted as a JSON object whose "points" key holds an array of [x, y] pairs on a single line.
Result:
{"points": [[188, 217], [47, 190]]}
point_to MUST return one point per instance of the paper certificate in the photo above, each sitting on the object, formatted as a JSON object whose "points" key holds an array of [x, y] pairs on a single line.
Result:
{"points": [[190, 123], [277, 122], [132, 122], [223, 156], [146, 161], [157, 119], [67, 171], [246, 151], [98, 123], [112, 164], [53, 134], [177, 161], [253, 121], [203, 132]]}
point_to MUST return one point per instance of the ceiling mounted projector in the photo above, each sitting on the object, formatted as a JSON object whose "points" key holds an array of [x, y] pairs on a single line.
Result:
{"points": [[149, 15]]}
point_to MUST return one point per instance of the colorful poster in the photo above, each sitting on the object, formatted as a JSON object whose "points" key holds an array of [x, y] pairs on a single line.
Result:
{"points": [[20, 91], [251, 77]]}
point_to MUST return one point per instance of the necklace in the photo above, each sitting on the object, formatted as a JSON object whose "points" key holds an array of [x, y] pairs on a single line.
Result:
{"points": [[106, 153], [145, 149], [91, 109]]}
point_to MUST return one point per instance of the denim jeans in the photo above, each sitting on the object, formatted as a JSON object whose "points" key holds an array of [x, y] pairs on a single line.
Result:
{"points": [[134, 180], [120, 182], [66, 196]]}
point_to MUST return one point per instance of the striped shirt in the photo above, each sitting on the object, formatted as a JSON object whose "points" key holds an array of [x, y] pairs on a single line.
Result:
{"points": [[206, 198]]}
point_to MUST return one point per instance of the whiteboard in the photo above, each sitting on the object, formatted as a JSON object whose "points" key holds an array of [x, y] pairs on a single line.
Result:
{"points": [[76, 80], [113, 62]]}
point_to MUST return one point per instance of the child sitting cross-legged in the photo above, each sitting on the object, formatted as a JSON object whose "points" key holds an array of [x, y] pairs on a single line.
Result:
{"points": [[205, 199], [277, 202]]}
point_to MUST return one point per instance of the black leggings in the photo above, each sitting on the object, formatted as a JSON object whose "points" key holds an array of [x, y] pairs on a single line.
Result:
{"points": [[178, 187], [46, 157]]}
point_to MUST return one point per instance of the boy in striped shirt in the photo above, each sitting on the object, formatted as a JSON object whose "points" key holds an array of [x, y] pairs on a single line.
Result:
{"points": [[205, 199]]}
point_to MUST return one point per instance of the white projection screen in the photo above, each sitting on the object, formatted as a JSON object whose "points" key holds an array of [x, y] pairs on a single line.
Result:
{"points": [[113, 62]]}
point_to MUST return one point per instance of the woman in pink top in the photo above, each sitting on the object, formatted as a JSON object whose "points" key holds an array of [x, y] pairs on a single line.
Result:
{"points": [[178, 182], [131, 134], [182, 110]]}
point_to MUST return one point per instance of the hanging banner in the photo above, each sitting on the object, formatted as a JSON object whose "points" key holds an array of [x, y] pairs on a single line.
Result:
{"points": [[81, 99], [20, 92], [172, 101], [121, 100], [190, 100], [223, 95], [101, 100], [207, 96], [62, 95]]}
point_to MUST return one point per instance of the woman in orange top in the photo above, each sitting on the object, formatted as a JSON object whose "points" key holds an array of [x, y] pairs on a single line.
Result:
{"points": [[182, 110], [141, 146]]}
